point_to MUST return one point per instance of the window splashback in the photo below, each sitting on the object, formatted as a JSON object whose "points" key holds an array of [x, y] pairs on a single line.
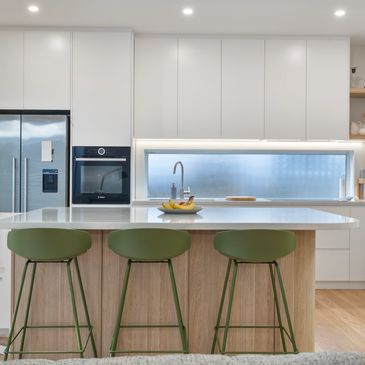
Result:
{"points": [[270, 175]]}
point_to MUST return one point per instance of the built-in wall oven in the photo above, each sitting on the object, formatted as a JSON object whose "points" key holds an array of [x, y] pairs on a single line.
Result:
{"points": [[101, 175]]}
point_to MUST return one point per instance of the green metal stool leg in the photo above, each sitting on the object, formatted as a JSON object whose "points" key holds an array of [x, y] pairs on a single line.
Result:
{"points": [[221, 306], [184, 339], [282, 335], [74, 310], [118, 320], [229, 310], [295, 349], [6, 351], [87, 316], [27, 310]]}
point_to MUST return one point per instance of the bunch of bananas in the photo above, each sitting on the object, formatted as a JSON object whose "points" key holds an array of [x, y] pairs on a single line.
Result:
{"points": [[189, 204]]}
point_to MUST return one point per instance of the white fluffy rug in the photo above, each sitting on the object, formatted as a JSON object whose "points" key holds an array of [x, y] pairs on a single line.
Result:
{"points": [[320, 358]]}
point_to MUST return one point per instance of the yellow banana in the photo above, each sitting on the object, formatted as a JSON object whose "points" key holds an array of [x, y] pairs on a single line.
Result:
{"points": [[189, 204], [167, 206]]}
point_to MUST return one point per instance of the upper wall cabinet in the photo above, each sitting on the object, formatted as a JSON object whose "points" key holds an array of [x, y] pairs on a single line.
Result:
{"points": [[156, 88], [101, 88], [243, 88], [11, 70], [47, 70], [285, 89], [328, 89], [199, 88]]}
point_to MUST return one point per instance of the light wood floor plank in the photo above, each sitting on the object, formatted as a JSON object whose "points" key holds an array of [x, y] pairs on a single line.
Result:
{"points": [[340, 320]]}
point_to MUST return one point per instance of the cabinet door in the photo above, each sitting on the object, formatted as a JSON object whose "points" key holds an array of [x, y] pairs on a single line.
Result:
{"points": [[199, 88], [334, 238], [357, 246], [101, 88], [332, 265], [243, 88], [332, 249], [47, 70], [11, 70], [155, 88], [285, 89], [328, 89]]}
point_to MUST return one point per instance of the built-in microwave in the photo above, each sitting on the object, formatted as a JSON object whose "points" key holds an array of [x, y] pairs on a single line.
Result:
{"points": [[101, 175]]}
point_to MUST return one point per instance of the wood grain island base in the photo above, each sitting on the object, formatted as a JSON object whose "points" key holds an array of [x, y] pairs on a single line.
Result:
{"points": [[199, 276]]}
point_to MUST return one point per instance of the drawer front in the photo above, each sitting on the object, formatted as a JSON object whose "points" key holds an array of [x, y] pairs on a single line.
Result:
{"points": [[336, 239], [332, 265], [339, 239]]}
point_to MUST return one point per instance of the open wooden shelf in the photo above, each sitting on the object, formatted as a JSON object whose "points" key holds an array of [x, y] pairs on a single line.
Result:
{"points": [[357, 92]]}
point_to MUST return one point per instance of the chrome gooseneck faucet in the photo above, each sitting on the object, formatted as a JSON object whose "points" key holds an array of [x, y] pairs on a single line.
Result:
{"points": [[183, 192]]}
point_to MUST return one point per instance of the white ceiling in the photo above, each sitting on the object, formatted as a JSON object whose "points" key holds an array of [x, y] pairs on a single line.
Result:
{"points": [[279, 17]]}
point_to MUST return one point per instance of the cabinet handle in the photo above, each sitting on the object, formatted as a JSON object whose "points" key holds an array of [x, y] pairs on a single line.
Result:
{"points": [[25, 183], [14, 187]]}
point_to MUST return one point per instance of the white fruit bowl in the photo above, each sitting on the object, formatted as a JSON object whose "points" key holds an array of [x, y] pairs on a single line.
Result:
{"points": [[180, 211]]}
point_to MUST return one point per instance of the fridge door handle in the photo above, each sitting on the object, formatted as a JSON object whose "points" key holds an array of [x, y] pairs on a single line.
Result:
{"points": [[14, 186], [25, 183]]}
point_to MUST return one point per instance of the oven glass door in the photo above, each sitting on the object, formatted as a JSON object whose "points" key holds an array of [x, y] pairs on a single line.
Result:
{"points": [[101, 181]]}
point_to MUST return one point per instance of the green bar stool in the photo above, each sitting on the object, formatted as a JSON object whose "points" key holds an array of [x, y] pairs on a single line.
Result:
{"points": [[254, 247], [146, 246], [53, 246]]}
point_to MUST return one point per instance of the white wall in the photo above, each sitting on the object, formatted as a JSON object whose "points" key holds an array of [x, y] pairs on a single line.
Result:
{"points": [[5, 279]]}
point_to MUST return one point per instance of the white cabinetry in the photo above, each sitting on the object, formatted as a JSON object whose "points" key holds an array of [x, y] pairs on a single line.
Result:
{"points": [[156, 87], [333, 250], [357, 246], [199, 88], [328, 89], [101, 88], [285, 89], [47, 70], [11, 70], [243, 88]]}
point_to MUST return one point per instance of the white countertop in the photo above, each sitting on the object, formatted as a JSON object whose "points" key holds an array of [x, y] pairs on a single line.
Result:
{"points": [[259, 202], [210, 218]]}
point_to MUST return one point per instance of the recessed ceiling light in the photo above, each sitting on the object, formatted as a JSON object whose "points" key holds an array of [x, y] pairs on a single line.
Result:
{"points": [[33, 8], [340, 13], [188, 11]]}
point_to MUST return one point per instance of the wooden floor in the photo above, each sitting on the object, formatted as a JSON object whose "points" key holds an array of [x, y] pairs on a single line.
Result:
{"points": [[340, 320]]}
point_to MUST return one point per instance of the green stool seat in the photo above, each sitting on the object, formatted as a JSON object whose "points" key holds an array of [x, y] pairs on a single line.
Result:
{"points": [[254, 247], [146, 246], [52, 246]]}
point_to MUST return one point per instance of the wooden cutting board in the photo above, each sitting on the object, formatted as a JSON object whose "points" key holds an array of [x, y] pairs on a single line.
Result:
{"points": [[241, 198]]}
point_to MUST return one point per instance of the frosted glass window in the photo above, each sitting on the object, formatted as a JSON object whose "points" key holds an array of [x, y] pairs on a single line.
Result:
{"points": [[264, 175]]}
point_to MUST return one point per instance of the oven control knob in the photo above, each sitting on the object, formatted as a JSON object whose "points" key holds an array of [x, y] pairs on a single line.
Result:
{"points": [[101, 151]]}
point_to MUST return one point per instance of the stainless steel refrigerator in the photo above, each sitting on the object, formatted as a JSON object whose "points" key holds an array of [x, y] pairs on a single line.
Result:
{"points": [[34, 150]]}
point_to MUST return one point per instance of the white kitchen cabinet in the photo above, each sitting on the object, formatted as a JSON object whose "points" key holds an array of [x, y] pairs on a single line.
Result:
{"points": [[101, 88], [199, 88], [333, 249], [285, 89], [11, 70], [156, 87], [328, 89], [334, 238], [243, 88], [47, 70], [357, 246], [332, 265]]}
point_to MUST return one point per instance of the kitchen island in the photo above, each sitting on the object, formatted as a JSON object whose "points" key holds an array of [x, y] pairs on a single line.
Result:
{"points": [[199, 275]]}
